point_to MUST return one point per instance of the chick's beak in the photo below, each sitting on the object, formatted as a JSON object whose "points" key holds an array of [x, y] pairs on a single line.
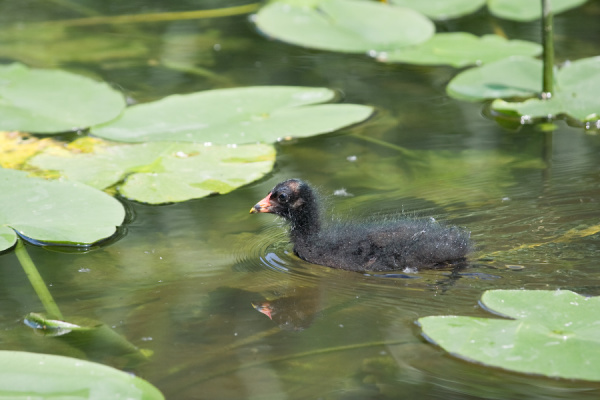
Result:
{"points": [[262, 206]]}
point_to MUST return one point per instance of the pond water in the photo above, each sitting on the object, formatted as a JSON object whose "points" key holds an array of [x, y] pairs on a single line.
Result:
{"points": [[182, 279]]}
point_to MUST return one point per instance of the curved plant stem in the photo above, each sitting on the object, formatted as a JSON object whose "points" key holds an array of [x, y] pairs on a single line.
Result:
{"points": [[548, 45], [36, 281], [158, 17]]}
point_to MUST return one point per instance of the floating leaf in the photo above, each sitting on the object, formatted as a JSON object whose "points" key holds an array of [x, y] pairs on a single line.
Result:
{"points": [[234, 116], [510, 77], [442, 9], [553, 333], [576, 94], [44, 376], [344, 25], [162, 172], [519, 10], [60, 212], [51, 101], [461, 49], [94, 338]]}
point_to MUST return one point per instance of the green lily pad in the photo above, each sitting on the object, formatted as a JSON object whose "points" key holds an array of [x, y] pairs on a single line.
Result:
{"points": [[553, 333], [52, 101], [344, 25], [234, 116], [576, 95], [442, 9], [519, 10], [44, 376], [461, 49], [59, 212], [162, 172], [510, 77]]}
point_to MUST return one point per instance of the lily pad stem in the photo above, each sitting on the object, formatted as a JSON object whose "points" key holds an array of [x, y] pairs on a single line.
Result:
{"points": [[36, 281], [548, 45]]}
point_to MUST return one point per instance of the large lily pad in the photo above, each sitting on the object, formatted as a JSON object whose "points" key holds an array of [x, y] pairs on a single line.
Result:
{"points": [[442, 9], [577, 88], [553, 333], [53, 101], [60, 212], [519, 10], [162, 172], [234, 116], [344, 25], [44, 376], [461, 49]]}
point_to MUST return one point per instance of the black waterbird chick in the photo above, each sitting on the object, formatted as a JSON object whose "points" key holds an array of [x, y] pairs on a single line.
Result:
{"points": [[384, 245]]}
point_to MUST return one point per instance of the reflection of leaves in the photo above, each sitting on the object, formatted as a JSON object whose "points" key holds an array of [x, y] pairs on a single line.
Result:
{"points": [[441, 176], [30, 375], [239, 115], [54, 211], [567, 237], [51, 45], [554, 333], [461, 49], [340, 25], [161, 172], [51, 101]]}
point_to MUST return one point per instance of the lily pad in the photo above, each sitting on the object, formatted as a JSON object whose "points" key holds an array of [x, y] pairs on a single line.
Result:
{"points": [[576, 95], [553, 333], [519, 10], [510, 77], [162, 172], [344, 25], [234, 116], [461, 49], [442, 9], [53, 101], [50, 211], [44, 376]]}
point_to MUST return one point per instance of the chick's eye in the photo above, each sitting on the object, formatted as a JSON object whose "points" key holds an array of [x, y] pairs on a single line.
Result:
{"points": [[282, 197]]}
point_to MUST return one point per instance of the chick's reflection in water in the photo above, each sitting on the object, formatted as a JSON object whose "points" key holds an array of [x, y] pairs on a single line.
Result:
{"points": [[295, 311]]}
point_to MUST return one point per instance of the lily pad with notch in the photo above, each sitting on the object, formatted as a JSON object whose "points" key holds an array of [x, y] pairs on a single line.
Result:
{"points": [[442, 9], [552, 333], [349, 26], [234, 116], [524, 11], [576, 95]]}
